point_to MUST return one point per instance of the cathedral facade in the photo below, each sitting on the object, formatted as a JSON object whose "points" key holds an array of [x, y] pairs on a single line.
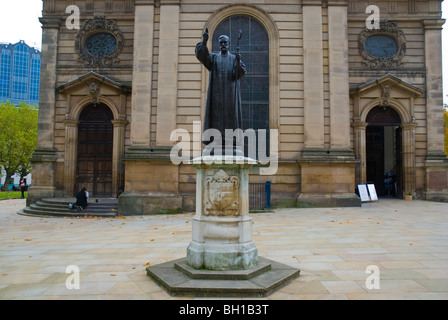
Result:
{"points": [[349, 92]]}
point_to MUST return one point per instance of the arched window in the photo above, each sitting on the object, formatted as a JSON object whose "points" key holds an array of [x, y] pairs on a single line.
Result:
{"points": [[254, 48]]}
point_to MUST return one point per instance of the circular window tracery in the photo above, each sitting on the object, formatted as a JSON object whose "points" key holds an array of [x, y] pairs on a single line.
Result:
{"points": [[99, 42]]}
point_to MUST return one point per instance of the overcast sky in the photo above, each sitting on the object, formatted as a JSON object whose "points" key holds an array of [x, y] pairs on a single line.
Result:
{"points": [[19, 21]]}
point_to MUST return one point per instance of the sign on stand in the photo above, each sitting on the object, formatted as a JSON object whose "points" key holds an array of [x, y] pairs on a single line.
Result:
{"points": [[372, 192], [363, 193], [367, 193]]}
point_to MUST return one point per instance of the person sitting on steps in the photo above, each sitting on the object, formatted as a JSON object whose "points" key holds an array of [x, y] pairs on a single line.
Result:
{"points": [[81, 199]]}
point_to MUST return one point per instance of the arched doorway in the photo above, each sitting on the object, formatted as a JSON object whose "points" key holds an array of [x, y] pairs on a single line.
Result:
{"points": [[95, 150], [384, 160]]}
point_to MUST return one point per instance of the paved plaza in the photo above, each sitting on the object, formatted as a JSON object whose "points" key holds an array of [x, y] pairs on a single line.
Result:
{"points": [[406, 240]]}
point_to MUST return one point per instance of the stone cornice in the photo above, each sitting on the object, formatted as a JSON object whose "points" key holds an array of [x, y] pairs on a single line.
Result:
{"points": [[342, 3], [50, 22], [90, 77], [144, 2], [391, 80], [170, 2], [433, 24]]}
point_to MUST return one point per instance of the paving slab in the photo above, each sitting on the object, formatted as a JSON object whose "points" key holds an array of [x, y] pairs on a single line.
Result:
{"points": [[332, 247]]}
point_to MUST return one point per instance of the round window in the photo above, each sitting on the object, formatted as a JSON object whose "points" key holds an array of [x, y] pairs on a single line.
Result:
{"points": [[101, 44], [381, 46]]}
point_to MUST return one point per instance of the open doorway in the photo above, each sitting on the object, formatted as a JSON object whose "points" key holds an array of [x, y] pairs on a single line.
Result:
{"points": [[384, 165]]}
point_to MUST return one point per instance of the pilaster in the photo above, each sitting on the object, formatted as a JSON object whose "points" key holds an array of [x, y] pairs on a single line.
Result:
{"points": [[434, 87], [117, 157], [70, 156], [409, 164], [436, 160], [142, 73], [167, 71], [313, 75], [339, 77], [359, 135], [44, 156]]}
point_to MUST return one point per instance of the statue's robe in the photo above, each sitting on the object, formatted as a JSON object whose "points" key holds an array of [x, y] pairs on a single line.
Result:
{"points": [[223, 108]]}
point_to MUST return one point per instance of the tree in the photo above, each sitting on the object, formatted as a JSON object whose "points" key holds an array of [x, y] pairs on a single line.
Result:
{"points": [[18, 138], [445, 122]]}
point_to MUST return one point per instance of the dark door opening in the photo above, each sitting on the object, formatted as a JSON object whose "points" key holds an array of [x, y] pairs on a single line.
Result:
{"points": [[95, 145], [384, 152]]}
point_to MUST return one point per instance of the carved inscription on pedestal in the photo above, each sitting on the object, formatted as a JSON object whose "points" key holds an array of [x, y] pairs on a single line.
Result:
{"points": [[221, 195]]}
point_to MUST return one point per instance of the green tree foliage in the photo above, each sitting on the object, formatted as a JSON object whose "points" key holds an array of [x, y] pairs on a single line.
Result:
{"points": [[445, 122], [18, 138]]}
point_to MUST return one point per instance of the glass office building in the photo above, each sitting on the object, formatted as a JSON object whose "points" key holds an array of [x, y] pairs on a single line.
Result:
{"points": [[19, 73]]}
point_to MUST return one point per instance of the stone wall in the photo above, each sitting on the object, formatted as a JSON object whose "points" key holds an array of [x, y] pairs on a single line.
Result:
{"points": [[314, 61]]}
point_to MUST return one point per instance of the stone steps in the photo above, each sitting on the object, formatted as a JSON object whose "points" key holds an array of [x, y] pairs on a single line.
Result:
{"points": [[58, 207]]}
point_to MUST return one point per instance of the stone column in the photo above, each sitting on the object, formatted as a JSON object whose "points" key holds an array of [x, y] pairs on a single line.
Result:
{"points": [[434, 88], [339, 79], [44, 158], [360, 150], [117, 156], [70, 156], [167, 72], [436, 161], [409, 175], [313, 76], [142, 73]]}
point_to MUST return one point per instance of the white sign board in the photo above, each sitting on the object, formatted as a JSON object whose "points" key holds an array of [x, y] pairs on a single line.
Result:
{"points": [[372, 192], [363, 194]]}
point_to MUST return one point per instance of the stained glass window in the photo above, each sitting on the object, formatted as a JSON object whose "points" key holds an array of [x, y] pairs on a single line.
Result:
{"points": [[254, 48]]}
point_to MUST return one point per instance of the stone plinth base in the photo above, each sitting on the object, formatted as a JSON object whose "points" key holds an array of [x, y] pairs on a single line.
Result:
{"points": [[179, 279], [222, 228], [36, 193], [222, 260], [222, 257]]}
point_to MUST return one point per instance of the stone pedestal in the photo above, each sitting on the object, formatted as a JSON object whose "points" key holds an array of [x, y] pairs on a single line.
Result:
{"points": [[222, 229], [222, 260]]}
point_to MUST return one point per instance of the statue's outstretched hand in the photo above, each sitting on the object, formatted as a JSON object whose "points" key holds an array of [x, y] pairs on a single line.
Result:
{"points": [[205, 36]]}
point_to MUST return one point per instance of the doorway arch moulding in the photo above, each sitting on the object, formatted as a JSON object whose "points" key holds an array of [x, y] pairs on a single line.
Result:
{"points": [[387, 91], [93, 88]]}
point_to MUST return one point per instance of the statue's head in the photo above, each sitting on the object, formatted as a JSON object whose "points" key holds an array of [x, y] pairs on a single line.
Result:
{"points": [[224, 43]]}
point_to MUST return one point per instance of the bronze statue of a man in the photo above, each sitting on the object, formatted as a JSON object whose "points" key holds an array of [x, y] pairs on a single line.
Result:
{"points": [[223, 107]]}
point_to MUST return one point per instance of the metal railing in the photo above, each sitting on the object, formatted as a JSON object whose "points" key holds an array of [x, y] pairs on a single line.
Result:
{"points": [[260, 195]]}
